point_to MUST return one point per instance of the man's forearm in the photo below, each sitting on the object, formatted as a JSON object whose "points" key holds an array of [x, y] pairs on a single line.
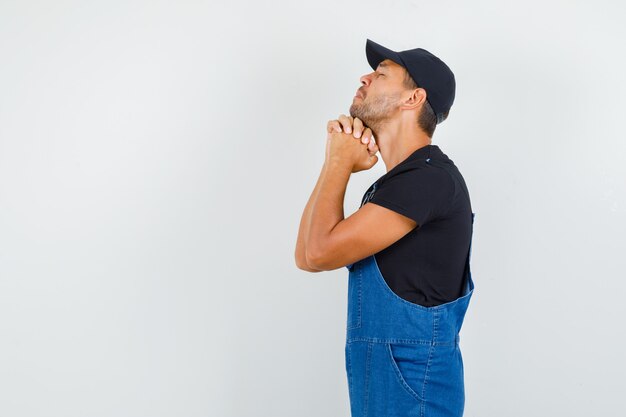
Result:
{"points": [[327, 207], [305, 222]]}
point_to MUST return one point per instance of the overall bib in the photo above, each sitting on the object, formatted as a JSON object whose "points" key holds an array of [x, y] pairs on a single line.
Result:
{"points": [[403, 359]]}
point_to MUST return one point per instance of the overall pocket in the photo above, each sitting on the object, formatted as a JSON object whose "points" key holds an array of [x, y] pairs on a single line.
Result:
{"points": [[410, 365]]}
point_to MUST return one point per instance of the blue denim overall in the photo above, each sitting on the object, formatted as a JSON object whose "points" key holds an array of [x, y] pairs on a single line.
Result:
{"points": [[402, 359]]}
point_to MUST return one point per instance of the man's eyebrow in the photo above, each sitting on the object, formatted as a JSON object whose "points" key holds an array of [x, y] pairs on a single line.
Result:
{"points": [[383, 64]]}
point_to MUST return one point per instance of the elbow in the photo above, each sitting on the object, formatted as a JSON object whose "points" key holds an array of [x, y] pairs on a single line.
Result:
{"points": [[319, 253], [302, 263], [315, 260]]}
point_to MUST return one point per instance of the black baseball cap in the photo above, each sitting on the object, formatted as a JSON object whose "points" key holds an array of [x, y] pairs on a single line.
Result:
{"points": [[428, 72]]}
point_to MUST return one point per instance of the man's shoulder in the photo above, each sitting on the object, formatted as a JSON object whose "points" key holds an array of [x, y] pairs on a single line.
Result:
{"points": [[423, 171]]}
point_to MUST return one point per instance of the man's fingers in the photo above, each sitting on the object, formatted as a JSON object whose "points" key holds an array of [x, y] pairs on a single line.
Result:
{"points": [[372, 147], [349, 124], [372, 143], [372, 151], [346, 122], [333, 126], [357, 127], [367, 135]]}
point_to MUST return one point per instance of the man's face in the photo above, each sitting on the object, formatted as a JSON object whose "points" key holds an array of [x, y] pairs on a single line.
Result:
{"points": [[380, 95]]}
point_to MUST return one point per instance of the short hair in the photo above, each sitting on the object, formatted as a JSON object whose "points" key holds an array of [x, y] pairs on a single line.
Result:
{"points": [[427, 119]]}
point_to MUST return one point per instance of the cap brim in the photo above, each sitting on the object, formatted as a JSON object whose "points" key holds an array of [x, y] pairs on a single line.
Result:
{"points": [[377, 53]]}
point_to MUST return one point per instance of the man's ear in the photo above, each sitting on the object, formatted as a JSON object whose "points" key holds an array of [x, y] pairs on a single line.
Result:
{"points": [[416, 99]]}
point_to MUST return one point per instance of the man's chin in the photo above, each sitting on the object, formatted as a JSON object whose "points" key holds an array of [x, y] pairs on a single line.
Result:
{"points": [[357, 115], [354, 112]]}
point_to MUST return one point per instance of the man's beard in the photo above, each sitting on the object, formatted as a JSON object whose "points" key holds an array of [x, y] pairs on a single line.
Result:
{"points": [[376, 113]]}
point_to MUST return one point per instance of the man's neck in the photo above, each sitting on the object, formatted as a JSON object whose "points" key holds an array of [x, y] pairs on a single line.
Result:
{"points": [[396, 149]]}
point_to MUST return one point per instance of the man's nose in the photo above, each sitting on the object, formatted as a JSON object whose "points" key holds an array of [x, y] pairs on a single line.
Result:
{"points": [[365, 79]]}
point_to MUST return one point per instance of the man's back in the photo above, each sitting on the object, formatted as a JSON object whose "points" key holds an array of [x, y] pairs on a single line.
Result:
{"points": [[427, 265]]}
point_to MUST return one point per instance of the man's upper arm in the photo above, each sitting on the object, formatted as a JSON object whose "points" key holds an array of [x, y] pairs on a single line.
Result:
{"points": [[367, 231]]}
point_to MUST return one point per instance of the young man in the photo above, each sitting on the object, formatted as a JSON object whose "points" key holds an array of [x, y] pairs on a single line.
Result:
{"points": [[408, 246]]}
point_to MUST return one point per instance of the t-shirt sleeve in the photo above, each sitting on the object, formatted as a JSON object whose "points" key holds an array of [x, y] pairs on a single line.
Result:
{"points": [[420, 194]]}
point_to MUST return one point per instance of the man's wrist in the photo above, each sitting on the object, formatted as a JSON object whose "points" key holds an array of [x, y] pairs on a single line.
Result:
{"points": [[338, 164]]}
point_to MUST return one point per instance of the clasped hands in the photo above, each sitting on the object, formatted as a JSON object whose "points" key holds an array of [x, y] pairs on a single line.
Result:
{"points": [[342, 147]]}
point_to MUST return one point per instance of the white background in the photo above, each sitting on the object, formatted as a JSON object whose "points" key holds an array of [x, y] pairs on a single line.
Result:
{"points": [[155, 159]]}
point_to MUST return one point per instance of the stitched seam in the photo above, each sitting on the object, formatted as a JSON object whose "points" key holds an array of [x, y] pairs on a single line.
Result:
{"points": [[356, 321], [367, 377], [349, 361], [430, 355], [359, 305], [385, 340]]}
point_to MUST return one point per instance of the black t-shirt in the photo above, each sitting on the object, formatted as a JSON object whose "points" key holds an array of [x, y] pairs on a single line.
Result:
{"points": [[427, 265]]}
